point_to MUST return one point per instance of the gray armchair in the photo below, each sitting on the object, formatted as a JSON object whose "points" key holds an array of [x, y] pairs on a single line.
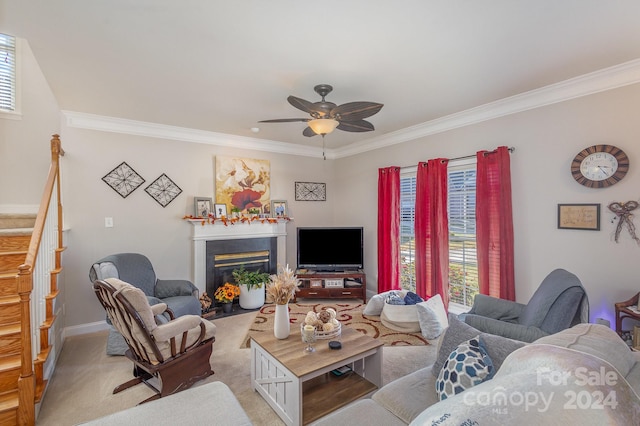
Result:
{"points": [[559, 302], [181, 296]]}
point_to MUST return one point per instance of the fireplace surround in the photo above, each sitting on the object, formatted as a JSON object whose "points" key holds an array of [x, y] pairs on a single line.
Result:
{"points": [[206, 237]]}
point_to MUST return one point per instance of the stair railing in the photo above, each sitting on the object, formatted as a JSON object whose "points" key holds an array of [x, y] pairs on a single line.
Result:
{"points": [[37, 284]]}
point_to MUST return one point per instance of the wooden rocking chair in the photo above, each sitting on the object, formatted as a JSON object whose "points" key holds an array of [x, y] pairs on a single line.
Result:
{"points": [[169, 357]]}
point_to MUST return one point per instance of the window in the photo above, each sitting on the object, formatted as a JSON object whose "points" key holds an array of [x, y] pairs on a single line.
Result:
{"points": [[7, 73], [463, 264]]}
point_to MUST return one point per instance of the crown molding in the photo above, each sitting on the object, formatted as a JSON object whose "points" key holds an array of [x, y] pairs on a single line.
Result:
{"points": [[588, 84], [102, 123], [598, 81]]}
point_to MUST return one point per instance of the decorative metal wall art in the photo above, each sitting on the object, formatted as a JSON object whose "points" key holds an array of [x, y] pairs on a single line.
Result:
{"points": [[163, 190], [311, 191], [625, 217], [123, 179]]}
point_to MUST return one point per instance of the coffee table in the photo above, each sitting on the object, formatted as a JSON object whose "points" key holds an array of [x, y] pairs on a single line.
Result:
{"points": [[300, 387]]}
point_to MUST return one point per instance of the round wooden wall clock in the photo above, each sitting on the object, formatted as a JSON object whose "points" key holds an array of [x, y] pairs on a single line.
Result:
{"points": [[599, 166]]}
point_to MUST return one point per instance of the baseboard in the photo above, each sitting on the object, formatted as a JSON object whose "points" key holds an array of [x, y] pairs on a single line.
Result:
{"points": [[77, 330]]}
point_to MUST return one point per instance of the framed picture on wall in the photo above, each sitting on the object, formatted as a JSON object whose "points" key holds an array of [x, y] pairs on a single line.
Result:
{"points": [[279, 208], [203, 206], [579, 216]]}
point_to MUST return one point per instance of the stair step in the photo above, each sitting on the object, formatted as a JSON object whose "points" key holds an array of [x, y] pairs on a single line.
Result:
{"points": [[14, 240], [9, 408], [10, 260], [17, 220], [8, 284], [9, 310], [9, 373], [10, 340]]}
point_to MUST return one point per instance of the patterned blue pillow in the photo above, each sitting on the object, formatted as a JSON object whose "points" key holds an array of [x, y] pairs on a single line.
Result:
{"points": [[467, 366]]}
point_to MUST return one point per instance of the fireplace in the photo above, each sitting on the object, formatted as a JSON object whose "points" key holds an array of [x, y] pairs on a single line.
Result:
{"points": [[224, 256], [208, 235]]}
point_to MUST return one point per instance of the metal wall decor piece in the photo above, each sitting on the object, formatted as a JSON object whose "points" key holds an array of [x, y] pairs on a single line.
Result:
{"points": [[123, 179], [163, 190], [311, 191]]}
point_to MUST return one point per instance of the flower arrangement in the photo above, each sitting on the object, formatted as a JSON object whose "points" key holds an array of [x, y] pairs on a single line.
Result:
{"points": [[283, 285], [226, 293]]}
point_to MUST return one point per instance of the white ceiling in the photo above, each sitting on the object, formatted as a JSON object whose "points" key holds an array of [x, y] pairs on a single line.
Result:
{"points": [[222, 66]]}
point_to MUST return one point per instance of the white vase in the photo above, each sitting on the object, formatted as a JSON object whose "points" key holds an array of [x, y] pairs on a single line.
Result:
{"points": [[281, 322], [251, 298]]}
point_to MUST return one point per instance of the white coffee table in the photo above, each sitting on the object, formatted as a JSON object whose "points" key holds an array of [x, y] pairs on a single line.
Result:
{"points": [[300, 387]]}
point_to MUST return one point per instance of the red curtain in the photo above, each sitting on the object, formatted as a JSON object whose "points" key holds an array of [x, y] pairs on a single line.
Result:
{"points": [[494, 224], [388, 229], [432, 230]]}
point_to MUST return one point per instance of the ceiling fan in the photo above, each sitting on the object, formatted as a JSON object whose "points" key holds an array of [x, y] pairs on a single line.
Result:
{"points": [[327, 116]]}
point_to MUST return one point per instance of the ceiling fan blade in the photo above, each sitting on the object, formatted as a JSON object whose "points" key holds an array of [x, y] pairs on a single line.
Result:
{"points": [[301, 104], [356, 126], [354, 111], [308, 132], [285, 120]]}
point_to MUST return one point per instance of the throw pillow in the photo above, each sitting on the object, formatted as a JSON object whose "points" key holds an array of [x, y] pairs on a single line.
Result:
{"points": [[456, 333], [432, 317], [374, 305], [468, 365], [498, 347]]}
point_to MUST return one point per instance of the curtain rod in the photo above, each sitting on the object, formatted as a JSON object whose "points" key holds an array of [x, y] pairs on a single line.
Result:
{"points": [[465, 157]]}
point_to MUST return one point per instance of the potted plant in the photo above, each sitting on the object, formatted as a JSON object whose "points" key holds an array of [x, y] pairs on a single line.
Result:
{"points": [[252, 285], [235, 211], [254, 212]]}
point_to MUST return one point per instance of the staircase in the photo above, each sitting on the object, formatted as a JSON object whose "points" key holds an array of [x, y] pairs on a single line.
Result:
{"points": [[30, 262]]}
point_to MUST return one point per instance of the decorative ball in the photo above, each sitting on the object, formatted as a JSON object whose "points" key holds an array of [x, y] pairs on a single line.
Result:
{"points": [[332, 312], [328, 327], [324, 316], [311, 318]]}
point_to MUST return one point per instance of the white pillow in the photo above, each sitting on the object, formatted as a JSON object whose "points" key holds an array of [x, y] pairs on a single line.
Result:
{"points": [[374, 305], [432, 317]]}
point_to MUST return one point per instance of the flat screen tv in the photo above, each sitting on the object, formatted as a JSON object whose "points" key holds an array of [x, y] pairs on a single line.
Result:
{"points": [[330, 249]]}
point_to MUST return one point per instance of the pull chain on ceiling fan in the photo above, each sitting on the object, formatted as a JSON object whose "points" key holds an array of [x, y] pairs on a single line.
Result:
{"points": [[327, 116]]}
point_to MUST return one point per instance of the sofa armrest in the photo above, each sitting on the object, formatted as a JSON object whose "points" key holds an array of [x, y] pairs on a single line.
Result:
{"points": [[511, 330], [172, 288], [499, 309]]}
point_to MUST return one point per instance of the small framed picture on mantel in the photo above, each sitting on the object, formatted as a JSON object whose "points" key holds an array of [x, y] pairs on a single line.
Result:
{"points": [[203, 206], [279, 208]]}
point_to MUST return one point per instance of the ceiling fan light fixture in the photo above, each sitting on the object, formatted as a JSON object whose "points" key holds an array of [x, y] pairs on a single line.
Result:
{"points": [[323, 126]]}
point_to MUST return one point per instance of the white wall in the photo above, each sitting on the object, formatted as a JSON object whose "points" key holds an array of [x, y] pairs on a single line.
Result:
{"points": [[24, 139], [140, 223], [545, 140]]}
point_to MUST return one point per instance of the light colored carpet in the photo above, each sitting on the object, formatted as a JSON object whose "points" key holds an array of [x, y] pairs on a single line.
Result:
{"points": [[82, 384], [349, 314]]}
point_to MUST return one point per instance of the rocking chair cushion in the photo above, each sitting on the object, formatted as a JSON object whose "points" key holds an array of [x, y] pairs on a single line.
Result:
{"points": [[164, 332], [138, 300]]}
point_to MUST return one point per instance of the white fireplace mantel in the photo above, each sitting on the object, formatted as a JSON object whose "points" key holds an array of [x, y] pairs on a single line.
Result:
{"points": [[219, 231]]}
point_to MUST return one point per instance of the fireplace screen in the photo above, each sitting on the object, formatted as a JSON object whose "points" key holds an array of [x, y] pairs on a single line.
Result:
{"points": [[225, 256]]}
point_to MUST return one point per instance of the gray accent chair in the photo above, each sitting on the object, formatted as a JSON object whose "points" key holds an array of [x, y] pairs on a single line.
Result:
{"points": [[181, 296], [560, 302]]}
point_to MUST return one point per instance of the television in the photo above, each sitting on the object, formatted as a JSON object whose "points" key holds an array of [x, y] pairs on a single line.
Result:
{"points": [[330, 249]]}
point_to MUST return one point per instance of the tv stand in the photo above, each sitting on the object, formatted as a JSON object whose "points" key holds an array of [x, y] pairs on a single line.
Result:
{"points": [[324, 285]]}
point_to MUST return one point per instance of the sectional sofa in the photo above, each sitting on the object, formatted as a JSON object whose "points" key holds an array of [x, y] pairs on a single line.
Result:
{"points": [[582, 375]]}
